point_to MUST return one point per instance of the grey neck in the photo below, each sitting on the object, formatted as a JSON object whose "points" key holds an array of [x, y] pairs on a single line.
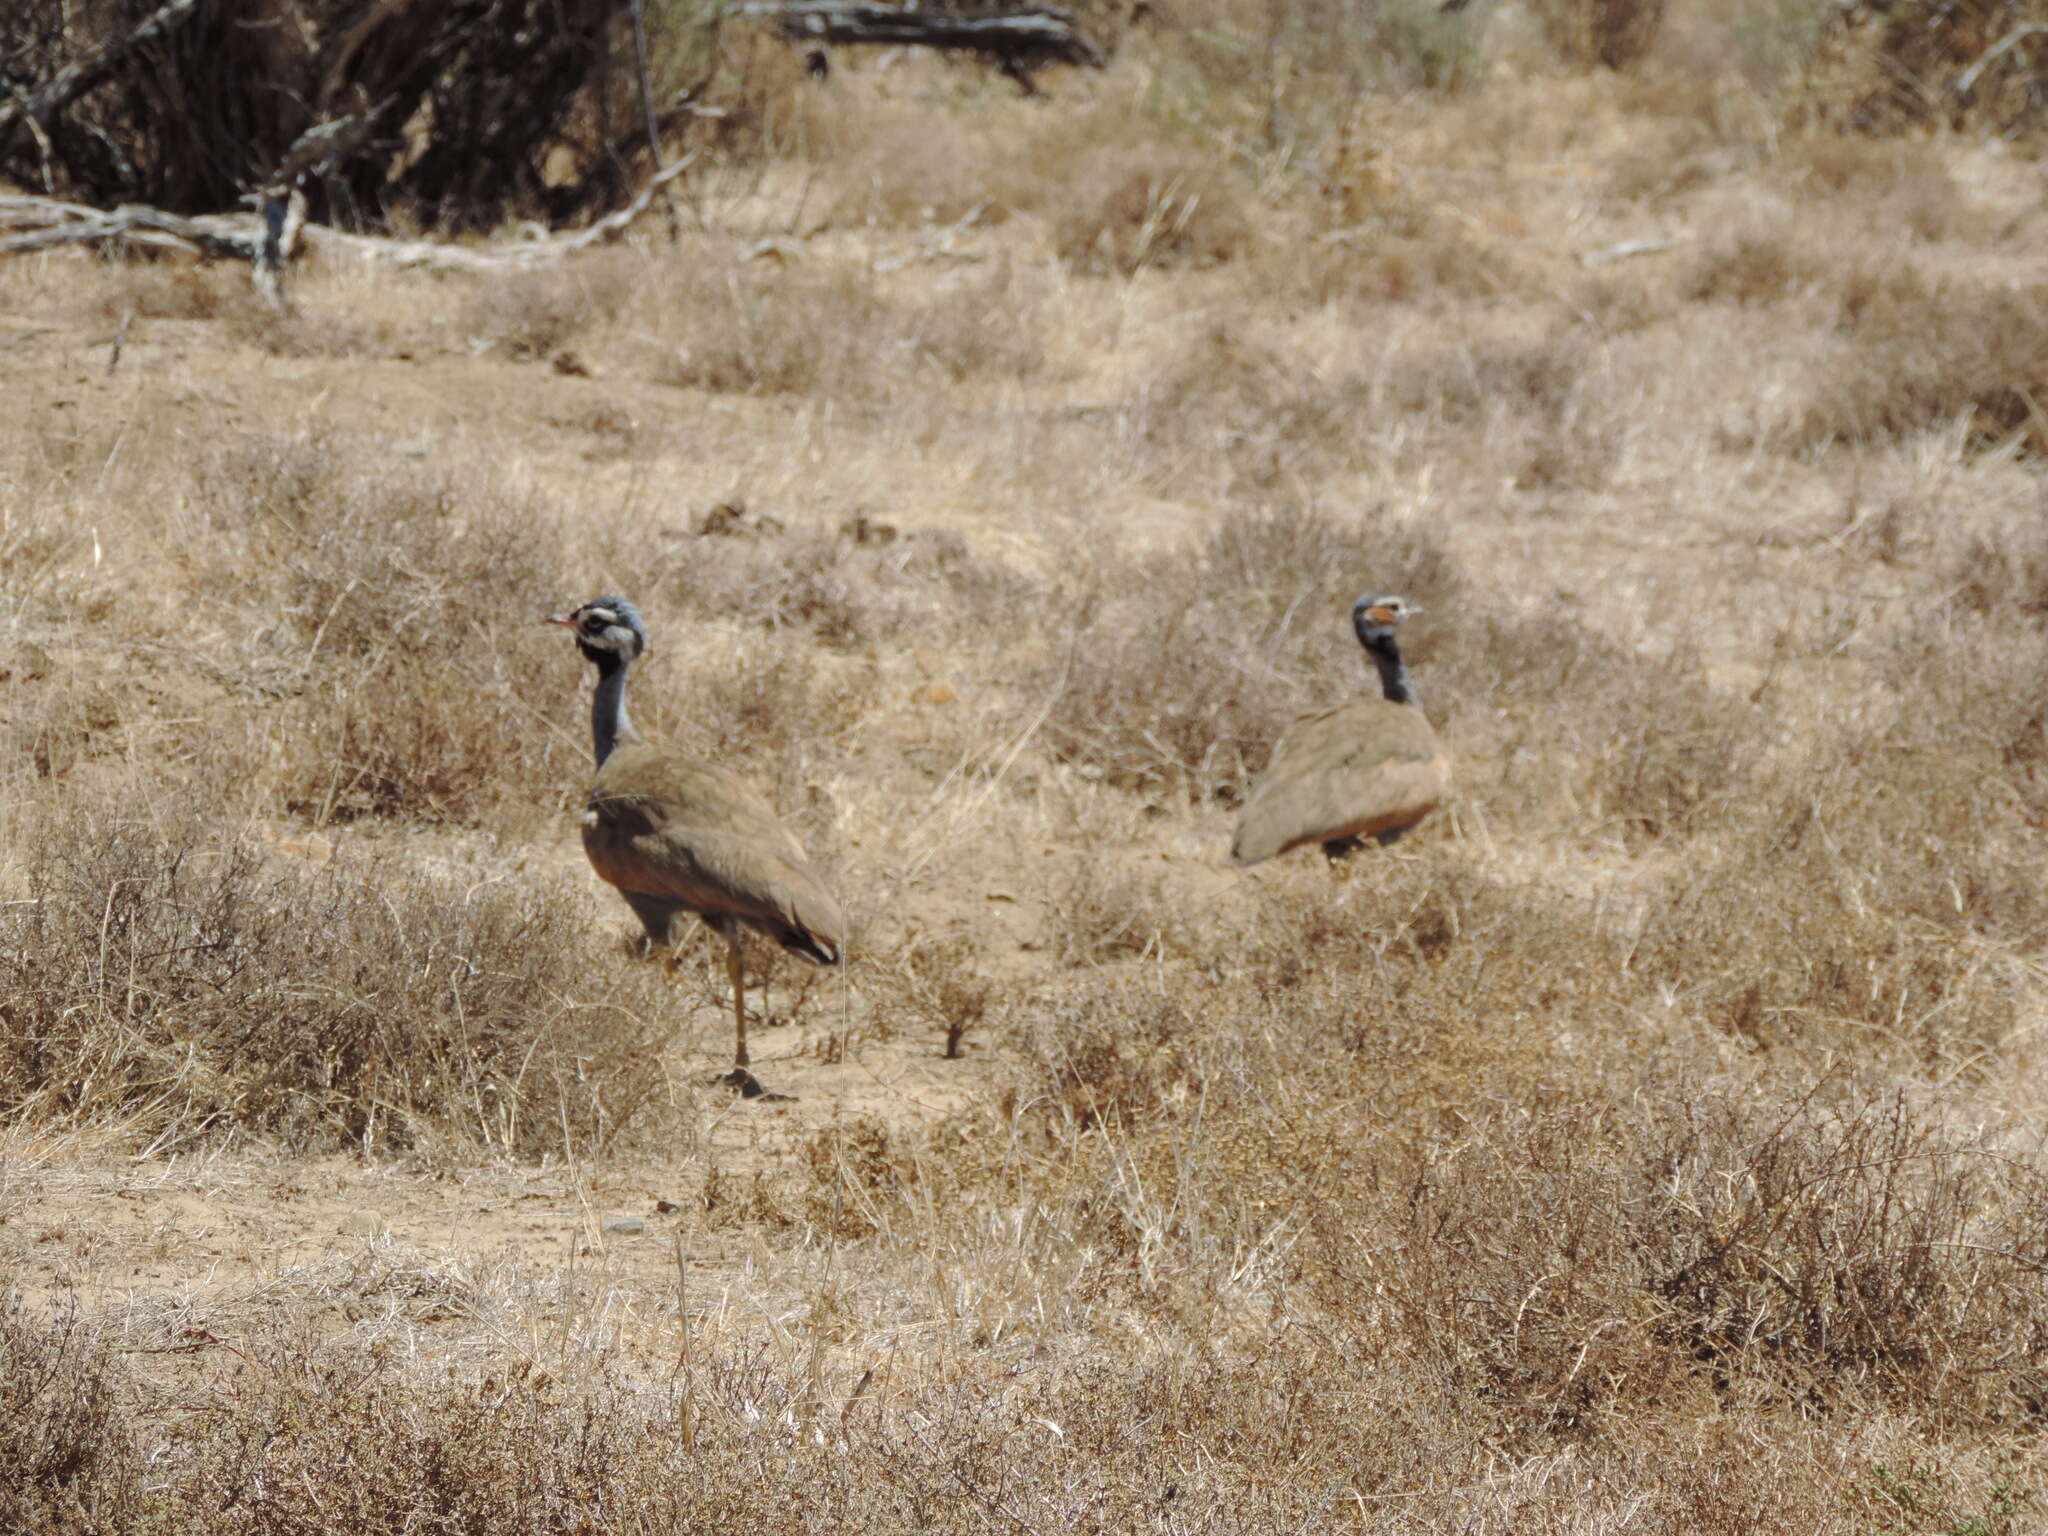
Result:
{"points": [[1394, 683], [608, 723]]}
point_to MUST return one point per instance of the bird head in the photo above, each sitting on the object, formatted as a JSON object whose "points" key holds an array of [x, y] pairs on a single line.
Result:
{"points": [[1376, 615], [606, 628]]}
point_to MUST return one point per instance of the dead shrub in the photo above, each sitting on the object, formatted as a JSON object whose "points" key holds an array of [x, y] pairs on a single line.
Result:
{"points": [[855, 1171], [900, 172], [1894, 184], [1612, 34], [948, 989], [1100, 1074], [750, 329], [171, 289], [402, 614], [1126, 208], [1182, 686], [2003, 574], [1851, 1249], [850, 589], [71, 1465], [1534, 391], [1104, 913], [1546, 713], [776, 708], [1269, 421], [532, 315], [1427, 262], [1672, 154], [1752, 267], [164, 978], [1919, 353], [1929, 61]]}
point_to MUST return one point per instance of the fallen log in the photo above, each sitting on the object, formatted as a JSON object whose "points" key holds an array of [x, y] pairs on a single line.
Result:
{"points": [[1018, 40], [269, 237], [229, 236]]}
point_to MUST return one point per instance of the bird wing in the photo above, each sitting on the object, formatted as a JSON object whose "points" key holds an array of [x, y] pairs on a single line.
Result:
{"points": [[1363, 768], [697, 835]]}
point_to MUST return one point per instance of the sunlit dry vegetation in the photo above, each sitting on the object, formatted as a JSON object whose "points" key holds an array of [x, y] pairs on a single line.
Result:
{"points": [[1651, 1140]]}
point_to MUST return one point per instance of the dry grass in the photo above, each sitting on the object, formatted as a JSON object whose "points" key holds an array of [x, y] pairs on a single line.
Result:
{"points": [[1647, 1141], [1610, 34], [164, 975], [1919, 353]]}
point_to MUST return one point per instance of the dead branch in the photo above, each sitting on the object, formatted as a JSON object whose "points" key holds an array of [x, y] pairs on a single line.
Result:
{"points": [[522, 253], [1018, 40], [224, 236], [1965, 86], [270, 237]]}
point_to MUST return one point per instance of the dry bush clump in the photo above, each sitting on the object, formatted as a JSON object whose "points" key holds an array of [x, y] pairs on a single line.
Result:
{"points": [[532, 315], [1610, 34], [751, 328], [1550, 1255], [1754, 267], [398, 609], [774, 708], [1126, 209], [1559, 437], [949, 991], [1899, 857], [849, 589], [71, 1463], [169, 289], [1293, 71], [1961, 64], [897, 173], [855, 1172], [1182, 686], [1894, 185], [164, 976], [2003, 574], [1919, 352], [1425, 263], [1232, 399]]}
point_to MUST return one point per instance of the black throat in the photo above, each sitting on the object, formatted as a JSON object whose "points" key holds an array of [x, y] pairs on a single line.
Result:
{"points": [[608, 722], [1386, 656]]}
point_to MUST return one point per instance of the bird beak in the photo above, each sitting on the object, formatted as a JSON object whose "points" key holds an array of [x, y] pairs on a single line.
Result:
{"points": [[567, 621]]}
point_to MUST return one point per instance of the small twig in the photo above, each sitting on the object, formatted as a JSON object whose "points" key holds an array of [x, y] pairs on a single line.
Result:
{"points": [[1624, 251], [1965, 87], [120, 336], [675, 227]]}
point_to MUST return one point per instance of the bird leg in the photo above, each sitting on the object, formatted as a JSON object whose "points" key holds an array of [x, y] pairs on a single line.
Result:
{"points": [[738, 972], [739, 1077]]}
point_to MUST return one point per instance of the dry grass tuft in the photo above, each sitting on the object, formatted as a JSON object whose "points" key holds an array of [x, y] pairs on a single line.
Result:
{"points": [[400, 606], [531, 316], [1125, 209], [71, 1465], [750, 328], [1918, 353], [1609, 34], [1182, 686], [163, 976], [1753, 267]]}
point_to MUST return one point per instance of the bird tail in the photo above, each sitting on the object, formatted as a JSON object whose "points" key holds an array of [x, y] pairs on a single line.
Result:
{"points": [[814, 949]]}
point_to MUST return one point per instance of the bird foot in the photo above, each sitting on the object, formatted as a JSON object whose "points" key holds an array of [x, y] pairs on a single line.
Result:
{"points": [[750, 1087]]}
